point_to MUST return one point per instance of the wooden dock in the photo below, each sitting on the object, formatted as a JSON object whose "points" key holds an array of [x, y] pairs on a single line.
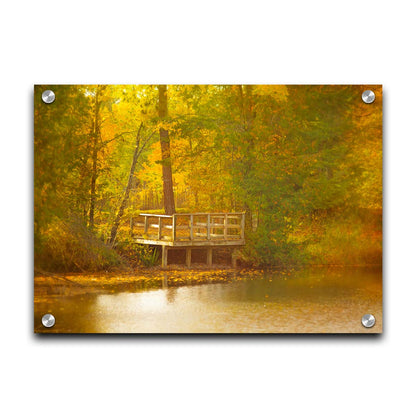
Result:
{"points": [[187, 231]]}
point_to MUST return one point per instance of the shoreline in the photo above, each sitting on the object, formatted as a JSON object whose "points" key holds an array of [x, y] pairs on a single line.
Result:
{"points": [[72, 284]]}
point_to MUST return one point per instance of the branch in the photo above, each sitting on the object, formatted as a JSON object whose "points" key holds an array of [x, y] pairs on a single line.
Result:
{"points": [[137, 153], [115, 138]]}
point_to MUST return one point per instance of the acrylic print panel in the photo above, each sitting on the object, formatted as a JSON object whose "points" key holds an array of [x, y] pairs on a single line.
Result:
{"points": [[208, 209]]}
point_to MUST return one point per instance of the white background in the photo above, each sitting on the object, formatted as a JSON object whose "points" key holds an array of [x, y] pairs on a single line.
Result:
{"points": [[212, 42]]}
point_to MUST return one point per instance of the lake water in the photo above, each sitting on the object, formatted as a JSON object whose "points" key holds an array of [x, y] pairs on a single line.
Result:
{"points": [[315, 300]]}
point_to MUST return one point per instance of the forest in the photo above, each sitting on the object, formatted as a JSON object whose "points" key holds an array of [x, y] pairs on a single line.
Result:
{"points": [[304, 162]]}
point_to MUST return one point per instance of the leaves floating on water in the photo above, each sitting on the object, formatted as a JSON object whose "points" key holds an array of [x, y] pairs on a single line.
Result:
{"points": [[73, 284]]}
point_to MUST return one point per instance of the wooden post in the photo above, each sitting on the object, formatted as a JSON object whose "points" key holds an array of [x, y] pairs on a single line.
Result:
{"points": [[242, 224], [225, 226], [191, 227], [209, 227], [174, 227], [146, 224], [164, 256], [234, 258], [165, 280], [159, 235], [209, 256], [188, 257]]}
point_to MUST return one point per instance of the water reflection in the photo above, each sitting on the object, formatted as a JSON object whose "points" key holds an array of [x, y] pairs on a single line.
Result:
{"points": [[314, 300]]}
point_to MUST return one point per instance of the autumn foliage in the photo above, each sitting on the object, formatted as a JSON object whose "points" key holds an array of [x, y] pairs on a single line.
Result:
{"points": [[303, 162]]}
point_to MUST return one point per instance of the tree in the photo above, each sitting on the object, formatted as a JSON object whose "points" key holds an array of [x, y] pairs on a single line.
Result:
{"points": [[95, 137], [62, 132], [137, 152], [169, 201]]}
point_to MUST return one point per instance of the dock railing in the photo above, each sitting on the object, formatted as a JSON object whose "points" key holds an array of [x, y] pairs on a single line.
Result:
{"points": [[190, 227]]}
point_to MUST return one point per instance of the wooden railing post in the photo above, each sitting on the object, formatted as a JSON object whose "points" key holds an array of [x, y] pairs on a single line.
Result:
{"points": [[159, 236], [232, 224], [225, 226], [173, 227], [209, 227], [242, 225]]}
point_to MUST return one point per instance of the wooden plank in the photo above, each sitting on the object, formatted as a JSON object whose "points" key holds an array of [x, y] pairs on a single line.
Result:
{"points": [[243, 219], [156, 215], [191, 227], [209, 228], [173, 226], [164, 226], [229, 236], [225, 226], [204, 213], [186, 243], [159, 236], [154, 242]]}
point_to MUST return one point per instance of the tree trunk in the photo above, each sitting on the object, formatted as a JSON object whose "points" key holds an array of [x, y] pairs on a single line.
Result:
{"points": [[247, 117], [168, 198], [137, 151], [95, 136]]}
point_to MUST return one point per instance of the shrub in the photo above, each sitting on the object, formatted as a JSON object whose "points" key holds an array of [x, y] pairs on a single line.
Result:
{"points": [[68, 245], [137, 253]]}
